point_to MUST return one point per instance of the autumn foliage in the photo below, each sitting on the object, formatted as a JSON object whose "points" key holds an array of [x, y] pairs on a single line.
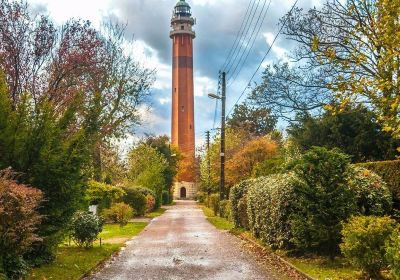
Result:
{"points": [[241, 165], [18, 219]]}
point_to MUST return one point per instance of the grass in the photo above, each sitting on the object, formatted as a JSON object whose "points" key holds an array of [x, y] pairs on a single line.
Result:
{"points": [[73, 262], [218, 222], [156, 213], [323, 268], [115, 231]]}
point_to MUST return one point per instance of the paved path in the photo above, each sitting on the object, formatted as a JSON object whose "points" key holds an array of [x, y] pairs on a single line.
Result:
{"points": [[182, 244]]}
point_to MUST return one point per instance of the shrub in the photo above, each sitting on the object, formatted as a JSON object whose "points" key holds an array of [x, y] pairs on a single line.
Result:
{"points": [[372, 195], [18, 222], [150, 203], [214, 202], [119, 213], [242, 218], [102, 194], [165, 198], [269, 201], [364, 243], [268, 167], [225, 209], [322, 200], [201, 197], [135, 198], [85, 228], [393, 253], [237, 193], [390, 173]]}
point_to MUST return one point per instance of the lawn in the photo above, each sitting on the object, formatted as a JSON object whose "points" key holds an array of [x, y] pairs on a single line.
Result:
{"points": [[72, 262], [218, 222], [322, 268], [156, 213]]}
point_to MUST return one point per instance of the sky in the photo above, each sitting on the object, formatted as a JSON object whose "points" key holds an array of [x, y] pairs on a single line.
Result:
{"points": [[218, 22]]}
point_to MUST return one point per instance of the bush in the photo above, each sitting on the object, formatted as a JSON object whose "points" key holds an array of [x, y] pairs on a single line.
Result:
{"points": [[268, 167], [225, 209], [165, 198], [18, 223], [150, 203], [364, 243], [322, 201], [119, 213], [214, 202], [102, 194], [201, 197], [242, 218], [136, 199], [390, 173], [393, 253], [85, 228], [237, 194], [269, 206], [372, 195]]}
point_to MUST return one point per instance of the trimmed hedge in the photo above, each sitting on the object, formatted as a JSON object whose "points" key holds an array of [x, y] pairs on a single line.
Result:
{"points": [[390, 173], [269, 207], [373, 197], [237, 196]]}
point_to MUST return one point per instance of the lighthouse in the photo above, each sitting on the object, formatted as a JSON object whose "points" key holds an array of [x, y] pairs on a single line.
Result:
{"points": [[182, 120]]}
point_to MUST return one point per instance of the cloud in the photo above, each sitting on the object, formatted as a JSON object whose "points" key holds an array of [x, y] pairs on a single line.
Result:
{"points": [[218, 22]]}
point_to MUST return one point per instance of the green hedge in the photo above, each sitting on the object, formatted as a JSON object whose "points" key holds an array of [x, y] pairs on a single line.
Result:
{"points": [[390, 173], [269, 207], [237, 196]]}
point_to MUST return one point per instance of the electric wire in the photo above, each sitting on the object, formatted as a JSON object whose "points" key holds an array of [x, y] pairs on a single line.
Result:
{"points": [[238, 34], [245, 32], [263, 59], [235, 74]]}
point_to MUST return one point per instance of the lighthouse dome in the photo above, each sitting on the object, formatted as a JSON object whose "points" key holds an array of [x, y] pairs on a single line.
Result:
{"points": [[182, 9]]}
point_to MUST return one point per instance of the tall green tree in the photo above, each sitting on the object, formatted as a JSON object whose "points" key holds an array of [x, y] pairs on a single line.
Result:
{"points": [[258, 121], [355, 131], [171, 154], [50, 151], [147, 168]]}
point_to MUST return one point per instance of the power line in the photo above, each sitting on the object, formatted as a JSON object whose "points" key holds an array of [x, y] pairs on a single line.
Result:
{"points": [[232, 80], [247, 28], [238, 33], [263, 59]]}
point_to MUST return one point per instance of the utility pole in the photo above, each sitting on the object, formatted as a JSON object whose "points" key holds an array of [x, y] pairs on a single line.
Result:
{"points": [[208, 162], [223, 101]]}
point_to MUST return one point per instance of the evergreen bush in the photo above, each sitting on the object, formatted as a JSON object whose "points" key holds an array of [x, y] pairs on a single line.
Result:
{"points": [[393, 253], [372, 194], [214, 202], [225, 209], [269, 207], [165, 198], [119, 213], [85, 228], [364, 243], [135, 198], [237, 194]]}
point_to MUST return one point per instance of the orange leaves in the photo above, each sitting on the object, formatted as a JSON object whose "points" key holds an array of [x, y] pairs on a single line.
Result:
{"points": [[240, 166]]}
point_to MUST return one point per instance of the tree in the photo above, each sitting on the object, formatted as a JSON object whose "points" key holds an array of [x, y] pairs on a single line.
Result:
{"points": [[73, 61], [50, 151], [19, 220], [289, 90], [355, 45], [258, 121], [240, 166], [353, 130], [146, 168], [171, 154]]}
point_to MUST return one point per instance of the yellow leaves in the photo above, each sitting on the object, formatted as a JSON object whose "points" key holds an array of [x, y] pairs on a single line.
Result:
{"points": [[314, 44]]}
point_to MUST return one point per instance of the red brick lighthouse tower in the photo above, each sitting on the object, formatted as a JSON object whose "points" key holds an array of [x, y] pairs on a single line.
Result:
{"points": [[182, 128]]}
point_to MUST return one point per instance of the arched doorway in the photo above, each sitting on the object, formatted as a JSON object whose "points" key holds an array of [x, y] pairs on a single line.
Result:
{"points": [[183, 192]]}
